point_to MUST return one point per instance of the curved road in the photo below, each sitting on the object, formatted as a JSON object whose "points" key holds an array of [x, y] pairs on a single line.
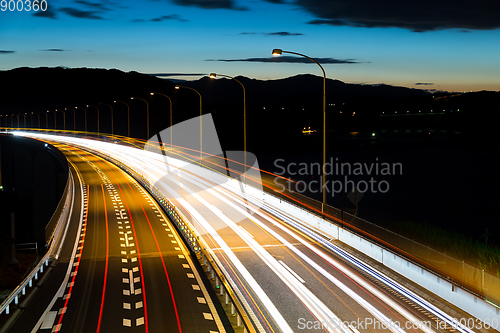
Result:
{"points": [[122, 267], [287, 277]]}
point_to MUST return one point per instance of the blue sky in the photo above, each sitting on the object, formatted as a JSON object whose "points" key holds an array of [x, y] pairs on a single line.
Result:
{"points": [[439, 44]]}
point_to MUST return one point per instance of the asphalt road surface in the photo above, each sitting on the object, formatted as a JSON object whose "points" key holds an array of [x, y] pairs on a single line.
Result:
{"points": [[123, 267]]}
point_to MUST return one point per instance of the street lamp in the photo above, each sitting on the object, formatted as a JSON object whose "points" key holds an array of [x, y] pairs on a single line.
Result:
{"points": [[38, 114], [76, 107], [201, 123], [112, 126], [147, 115], [88, 105], [128, 116], [170, 102], [24, 115], [213, 76], [278, 52], [74, 118], [64, 119], [55, 118]]}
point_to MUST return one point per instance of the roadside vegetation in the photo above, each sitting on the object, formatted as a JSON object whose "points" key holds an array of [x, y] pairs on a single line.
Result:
{"points": [[477, 253]]}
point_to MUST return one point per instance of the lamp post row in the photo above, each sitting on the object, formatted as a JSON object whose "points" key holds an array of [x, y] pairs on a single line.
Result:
{"points": [[275, 52]]}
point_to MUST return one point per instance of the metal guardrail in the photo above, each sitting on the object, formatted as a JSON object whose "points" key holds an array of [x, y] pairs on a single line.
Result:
{"points": [[60, 216]]}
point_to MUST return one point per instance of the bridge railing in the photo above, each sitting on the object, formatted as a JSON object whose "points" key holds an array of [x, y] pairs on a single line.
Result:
{"points": [[55, 226]]}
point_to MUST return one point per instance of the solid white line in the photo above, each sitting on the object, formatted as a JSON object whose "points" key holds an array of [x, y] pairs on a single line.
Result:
{"points": [[291, 271], [131, 280], [62, 288]]}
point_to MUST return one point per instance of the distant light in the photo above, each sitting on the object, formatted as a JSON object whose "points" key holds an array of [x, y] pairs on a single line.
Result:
{"points": [[177, 87], [213, 75], [373, 134], [46, 145]]}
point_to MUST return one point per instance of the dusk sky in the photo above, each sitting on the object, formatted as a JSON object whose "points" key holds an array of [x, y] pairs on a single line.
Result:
{"points": [[451, 45]]}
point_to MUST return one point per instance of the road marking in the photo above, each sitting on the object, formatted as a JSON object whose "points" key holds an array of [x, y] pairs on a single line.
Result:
{"points": [[208, 316], [48, 320], [127, 322], [131, 279], [195, 287], [292, 272], [249, 234], [185, 265], [139, 321], [201, 300], [57, 328], [126, 306]]}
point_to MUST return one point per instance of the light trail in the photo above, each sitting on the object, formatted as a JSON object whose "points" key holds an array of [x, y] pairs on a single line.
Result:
{"points": [[152, 167]]}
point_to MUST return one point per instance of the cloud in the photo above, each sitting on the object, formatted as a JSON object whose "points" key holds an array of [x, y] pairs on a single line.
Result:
{"points": [[280, 33], [49, 13], [210, 4], [163, 18], [424, 83], [289, 59], [418, 16], [6, 52], [81, 13], [93, 5], [54, 50]]}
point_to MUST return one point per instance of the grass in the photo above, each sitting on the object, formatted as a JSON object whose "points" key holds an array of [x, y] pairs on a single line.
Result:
{"points": [[481, 255]]}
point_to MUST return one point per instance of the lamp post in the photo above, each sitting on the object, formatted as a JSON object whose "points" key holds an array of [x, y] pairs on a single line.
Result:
{"points": [[170, 103], [24, 115], [147, 115], [112, 126], [201, 123], [74, 118], [278, 52], [38, 114], [64, 119], [55, 119], [47, 119], [88, 105], [128, 116], [76, 107], [213, 76]]}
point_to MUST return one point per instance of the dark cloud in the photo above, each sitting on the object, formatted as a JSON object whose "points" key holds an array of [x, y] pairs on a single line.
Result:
{"points": [[418, 16], [84, 14], [53, 50], [424, 84], [49, 13], [290, 59], [281, 33], [163, 18], [94, 5], [210, 4], [168, 17], [6, 52]]}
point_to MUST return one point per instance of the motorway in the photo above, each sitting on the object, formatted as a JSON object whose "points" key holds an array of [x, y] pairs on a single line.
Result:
{"points": [[122, 267], [288, 278]]}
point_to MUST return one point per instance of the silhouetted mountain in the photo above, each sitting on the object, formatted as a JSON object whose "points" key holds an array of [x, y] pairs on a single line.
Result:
{"points": [[277, 110]]}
